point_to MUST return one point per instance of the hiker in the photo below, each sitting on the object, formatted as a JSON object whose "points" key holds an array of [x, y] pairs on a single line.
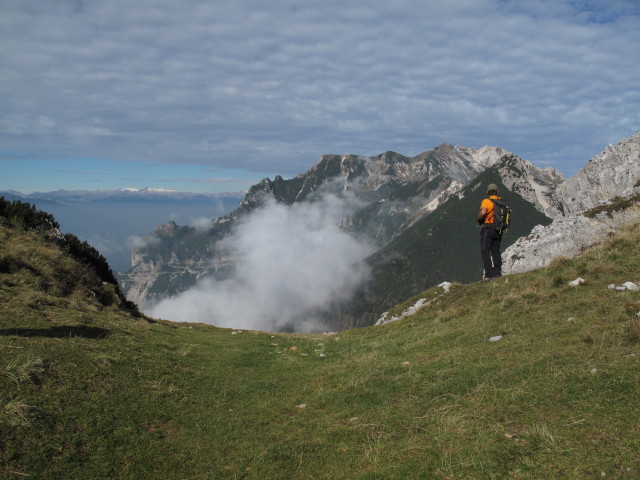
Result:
{"points": [[490, 237]]}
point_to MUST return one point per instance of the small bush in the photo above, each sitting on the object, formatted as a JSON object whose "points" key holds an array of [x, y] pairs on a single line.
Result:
{"points": [[25, 215]]}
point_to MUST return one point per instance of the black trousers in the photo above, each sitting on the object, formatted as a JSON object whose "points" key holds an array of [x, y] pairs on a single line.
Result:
{"points": [[490, 252]]}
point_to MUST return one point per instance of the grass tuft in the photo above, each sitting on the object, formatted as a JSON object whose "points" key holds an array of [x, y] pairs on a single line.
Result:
{"points": [[17, 414], [617, 204], [633, 333], [29, 371], [538, 437]]}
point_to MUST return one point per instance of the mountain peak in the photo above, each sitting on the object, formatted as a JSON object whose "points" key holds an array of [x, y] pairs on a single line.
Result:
{"points": [[157, 190], [484, 157]]}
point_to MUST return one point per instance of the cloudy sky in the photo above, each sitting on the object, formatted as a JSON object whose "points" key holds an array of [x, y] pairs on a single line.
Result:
{"points": [[214, 95]]}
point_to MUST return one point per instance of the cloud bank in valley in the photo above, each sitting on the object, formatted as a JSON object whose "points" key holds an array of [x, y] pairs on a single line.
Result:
{"points": [[293, 262]]}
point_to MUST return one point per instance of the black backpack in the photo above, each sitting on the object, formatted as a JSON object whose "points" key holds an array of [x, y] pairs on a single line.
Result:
{"points": [[501, 215]]}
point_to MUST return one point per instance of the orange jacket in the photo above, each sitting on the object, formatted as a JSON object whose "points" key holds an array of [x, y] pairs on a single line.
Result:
{"points": [[488, 204]]}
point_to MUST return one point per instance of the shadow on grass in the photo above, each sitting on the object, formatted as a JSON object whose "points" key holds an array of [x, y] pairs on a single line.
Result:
{"points": [[57, 332]]}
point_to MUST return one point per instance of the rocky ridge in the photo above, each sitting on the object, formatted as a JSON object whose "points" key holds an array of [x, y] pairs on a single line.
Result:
{"points": [[534, 185], [565, 237], [610, 183], [613, 173]]}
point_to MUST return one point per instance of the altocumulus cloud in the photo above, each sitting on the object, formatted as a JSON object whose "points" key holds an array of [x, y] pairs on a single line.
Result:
{"points": [[292, 264], [269, 86]]}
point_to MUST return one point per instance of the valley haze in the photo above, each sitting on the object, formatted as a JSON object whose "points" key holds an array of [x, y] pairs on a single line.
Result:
{"points": [[114, 221], [291, 263]]}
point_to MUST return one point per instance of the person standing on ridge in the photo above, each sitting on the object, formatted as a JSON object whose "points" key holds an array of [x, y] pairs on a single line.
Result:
{"points": [[490, 238]]}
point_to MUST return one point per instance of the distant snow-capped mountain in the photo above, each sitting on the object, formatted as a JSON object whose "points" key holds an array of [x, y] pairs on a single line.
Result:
{"points": [[125, 194]]}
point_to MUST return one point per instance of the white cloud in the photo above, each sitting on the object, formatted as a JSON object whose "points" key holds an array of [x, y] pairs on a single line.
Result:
{"points": [[202, 223], [136, 241], [249, 84], [293, 262]]}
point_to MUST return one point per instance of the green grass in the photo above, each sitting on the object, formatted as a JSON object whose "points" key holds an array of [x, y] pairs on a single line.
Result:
{"points": [[616, 204], [88, 391]]}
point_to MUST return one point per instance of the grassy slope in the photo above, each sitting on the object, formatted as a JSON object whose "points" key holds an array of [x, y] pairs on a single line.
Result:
{"points": [[87, 391]]}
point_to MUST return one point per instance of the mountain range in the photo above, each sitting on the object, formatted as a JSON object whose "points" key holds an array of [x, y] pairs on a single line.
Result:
{"points": [[416, 215], [147, 194]]}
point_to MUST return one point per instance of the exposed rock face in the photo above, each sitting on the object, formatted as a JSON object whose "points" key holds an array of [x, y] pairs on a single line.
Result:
{"points": [[565, 237], [613, 173], [160, 269], [533, 184]]}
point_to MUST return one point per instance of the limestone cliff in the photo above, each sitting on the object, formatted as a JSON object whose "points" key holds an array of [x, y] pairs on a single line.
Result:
{"points": [[613, 173], [565, 237], [599, 199]]}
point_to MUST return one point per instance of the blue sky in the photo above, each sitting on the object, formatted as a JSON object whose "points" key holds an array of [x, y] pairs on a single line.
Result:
{"points": [[212, 96]]}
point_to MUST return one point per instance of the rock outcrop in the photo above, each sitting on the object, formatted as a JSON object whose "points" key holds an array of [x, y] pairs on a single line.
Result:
{"points": [[565, 237], [610, 184], [533, 184], [613, 173]]}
